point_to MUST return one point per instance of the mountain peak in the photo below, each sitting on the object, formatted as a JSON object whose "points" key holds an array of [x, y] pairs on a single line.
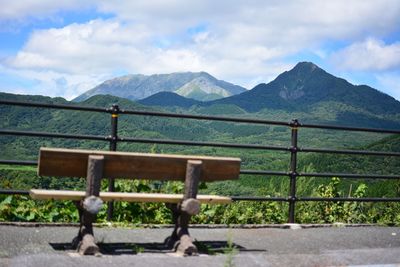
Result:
{"points": [[306, 68], [294, 84], [301, 72], [306, 64]]}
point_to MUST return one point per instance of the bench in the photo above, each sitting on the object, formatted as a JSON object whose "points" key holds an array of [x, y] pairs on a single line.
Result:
{"points": [[96, 165]]}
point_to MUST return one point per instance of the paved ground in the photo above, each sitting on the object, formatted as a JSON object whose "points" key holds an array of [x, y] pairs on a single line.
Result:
{"points": [[324, 246]]}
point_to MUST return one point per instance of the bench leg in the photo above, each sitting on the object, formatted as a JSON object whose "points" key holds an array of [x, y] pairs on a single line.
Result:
{"points": [[185, 244], [89, 208], [76, 241], [84, 242], [171, 240], [87, 245], [180, 238]]}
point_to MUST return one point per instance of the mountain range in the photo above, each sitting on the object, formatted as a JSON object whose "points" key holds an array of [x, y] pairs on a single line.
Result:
{"points": [[306, 92], [196, 85]]}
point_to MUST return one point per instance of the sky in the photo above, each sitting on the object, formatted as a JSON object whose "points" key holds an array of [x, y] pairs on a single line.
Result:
{"points": [[66, 47]]}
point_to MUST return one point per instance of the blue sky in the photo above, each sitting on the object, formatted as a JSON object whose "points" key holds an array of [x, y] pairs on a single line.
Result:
{"points": [[65, 47]]}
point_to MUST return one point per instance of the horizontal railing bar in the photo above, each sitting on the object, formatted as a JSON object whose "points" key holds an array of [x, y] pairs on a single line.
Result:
{"points": [[203, 117], [18, 162], [251, 198], [349, 152], [347, 128], [14, 192], [54, 135], [197, 143], [349, 199], [54, 106], [260, 172], [348, 175]]}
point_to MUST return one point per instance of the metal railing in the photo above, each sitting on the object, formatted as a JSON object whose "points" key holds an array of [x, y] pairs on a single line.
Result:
{"points": [[293, 149]]}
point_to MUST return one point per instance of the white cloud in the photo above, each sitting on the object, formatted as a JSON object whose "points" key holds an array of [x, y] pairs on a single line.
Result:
{"points": [[95, 47], [240, 41], [370, 55], [49, 83], [268, 21], [23, 9]]}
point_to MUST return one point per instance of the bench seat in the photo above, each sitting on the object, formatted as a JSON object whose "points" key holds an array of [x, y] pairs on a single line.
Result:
{"points": [[129, 197]]}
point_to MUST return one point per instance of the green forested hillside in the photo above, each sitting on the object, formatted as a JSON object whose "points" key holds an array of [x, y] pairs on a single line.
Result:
{"points": [[362, 164], [379, 165], [73, 122]]}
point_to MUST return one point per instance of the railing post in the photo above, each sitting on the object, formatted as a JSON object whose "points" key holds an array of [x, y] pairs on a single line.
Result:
{"points": [[293, 170], [113, 147]]}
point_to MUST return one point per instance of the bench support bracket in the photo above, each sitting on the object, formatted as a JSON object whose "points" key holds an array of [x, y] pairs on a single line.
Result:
{"points": [[180, 239], [89, 207]]}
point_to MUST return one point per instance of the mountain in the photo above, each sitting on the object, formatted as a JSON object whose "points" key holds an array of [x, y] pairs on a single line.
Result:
{"points": [[311, 90], [307, 84], [306, 92], [168, 99], [197, 85]]}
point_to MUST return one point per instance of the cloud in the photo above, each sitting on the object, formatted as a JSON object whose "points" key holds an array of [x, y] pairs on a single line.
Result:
{"points": [[94, 47], [268, 21], [23, 9], [370, 55], [49, 83], [99, 47], [242, 41]]}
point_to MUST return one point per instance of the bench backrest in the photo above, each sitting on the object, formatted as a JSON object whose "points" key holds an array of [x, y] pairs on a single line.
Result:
{"points": [[73, 163]]}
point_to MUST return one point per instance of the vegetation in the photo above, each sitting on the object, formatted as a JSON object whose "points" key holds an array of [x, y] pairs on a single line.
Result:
{"points": [[22, 208]]}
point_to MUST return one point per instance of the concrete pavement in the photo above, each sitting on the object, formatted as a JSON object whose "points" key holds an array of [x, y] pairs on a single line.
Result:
{"points": [[266, 246]]}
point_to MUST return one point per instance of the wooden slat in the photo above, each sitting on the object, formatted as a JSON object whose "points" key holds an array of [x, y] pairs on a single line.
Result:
{"points": [[129, 197], [73, 163]]}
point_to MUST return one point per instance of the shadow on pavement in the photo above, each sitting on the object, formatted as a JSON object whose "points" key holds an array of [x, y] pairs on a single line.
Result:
{"points": [[204, 247]]}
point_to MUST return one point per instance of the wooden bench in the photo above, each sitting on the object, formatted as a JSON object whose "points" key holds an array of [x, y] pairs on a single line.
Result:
{"points": [[96, 165]]}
